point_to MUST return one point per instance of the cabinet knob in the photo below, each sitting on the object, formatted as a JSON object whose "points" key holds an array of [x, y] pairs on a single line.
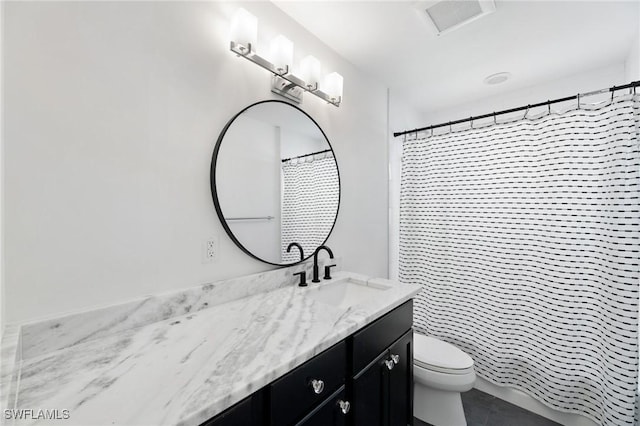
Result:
{"points": [[390, 364], [345, 406], [395, 358], [317, 385]]}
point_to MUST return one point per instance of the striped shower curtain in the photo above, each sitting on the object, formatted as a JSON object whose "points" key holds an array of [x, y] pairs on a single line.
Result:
{"points": [[525, 238], [310, 197]]}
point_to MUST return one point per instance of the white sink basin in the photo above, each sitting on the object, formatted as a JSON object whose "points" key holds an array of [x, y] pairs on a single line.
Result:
{"points": [[345, 293]]}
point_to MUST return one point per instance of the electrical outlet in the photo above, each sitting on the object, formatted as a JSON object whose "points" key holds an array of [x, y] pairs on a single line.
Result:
{"points": [[210, 250]]}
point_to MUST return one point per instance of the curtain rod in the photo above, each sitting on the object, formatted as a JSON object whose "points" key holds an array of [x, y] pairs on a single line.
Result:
{"points": [[306, 155], [522, 108]]}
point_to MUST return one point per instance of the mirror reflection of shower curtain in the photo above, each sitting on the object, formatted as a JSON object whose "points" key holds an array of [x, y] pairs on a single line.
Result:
{"points": [[525, 237], [310, 195]]}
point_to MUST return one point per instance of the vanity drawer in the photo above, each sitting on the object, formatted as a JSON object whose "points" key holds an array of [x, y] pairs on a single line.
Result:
{"points": [[377, 336], [293, 395], [330, 412]]}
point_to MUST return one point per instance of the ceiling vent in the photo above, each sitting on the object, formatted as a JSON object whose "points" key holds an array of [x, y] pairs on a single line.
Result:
{"points": [[447, 15]]}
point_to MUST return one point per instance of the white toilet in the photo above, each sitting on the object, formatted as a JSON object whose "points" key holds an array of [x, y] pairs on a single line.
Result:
{"points": [[440, 372]]}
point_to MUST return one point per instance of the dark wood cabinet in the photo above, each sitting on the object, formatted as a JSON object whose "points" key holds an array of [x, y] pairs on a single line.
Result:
{"points": [[297, 392], [376, 337], [369, 393], [365, 380], [382, 370], [383, 391], [332, 412], [401, 382]]}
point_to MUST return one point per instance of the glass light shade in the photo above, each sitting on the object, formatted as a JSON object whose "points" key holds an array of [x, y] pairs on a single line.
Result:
{"points": [[310, 71], [244, 29], [333, 85], [281, 53]]}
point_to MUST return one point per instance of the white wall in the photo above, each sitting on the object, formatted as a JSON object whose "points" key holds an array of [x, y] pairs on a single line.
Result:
{"points": [[112, 110], [587, 81], [293, 144], [632, 63], [248, 175]]}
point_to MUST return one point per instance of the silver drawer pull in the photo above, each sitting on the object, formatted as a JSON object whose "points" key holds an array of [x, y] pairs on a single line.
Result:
{"points": [[317, 385], [389, 363], [395, 358], [345, 406]]}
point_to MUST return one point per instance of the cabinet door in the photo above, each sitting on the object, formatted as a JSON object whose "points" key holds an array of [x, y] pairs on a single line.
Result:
{"points": [[380, 334], [401, 382], [370, 394], [332, 412]]}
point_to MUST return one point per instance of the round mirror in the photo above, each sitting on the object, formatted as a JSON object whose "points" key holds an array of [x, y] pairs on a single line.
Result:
{"points": [[275, 182]]}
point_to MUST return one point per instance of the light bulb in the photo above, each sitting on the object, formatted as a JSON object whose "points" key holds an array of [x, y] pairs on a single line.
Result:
{"points": [[310, 71], [282, 53], [333, 84], [244, 30]]}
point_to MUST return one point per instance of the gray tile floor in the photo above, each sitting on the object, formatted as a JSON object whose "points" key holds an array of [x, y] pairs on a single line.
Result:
{"points": [[482, 409]]}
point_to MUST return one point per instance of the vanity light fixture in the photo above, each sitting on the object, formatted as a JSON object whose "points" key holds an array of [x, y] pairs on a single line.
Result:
{"points": [[310, 70], [282, 54], [333, 84], [244, 30]]}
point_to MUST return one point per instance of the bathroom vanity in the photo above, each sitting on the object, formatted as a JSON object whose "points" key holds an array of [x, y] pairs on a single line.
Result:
{"points": [[243, 351], [364, 380]]}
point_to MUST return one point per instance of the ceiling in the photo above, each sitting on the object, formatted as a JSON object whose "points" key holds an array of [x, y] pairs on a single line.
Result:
{"points": [[536, 41]]}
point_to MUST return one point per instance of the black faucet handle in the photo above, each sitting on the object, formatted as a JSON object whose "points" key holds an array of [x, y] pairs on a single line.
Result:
{"points": [[303, 278], [327, 271]]}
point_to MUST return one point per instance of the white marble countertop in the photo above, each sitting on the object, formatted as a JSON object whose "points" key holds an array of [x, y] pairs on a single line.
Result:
{"points": [[185, 369]]}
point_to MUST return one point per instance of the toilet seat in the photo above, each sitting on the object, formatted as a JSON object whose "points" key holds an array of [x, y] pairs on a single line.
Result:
{"points": [[440, 373], [435, 355]]}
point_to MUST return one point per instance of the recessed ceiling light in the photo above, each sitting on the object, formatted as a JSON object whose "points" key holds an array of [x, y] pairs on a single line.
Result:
{"points": [[498, 78]]}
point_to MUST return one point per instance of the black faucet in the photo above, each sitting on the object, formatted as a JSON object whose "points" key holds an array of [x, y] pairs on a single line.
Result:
{"points": [[299, 248], [303, 278], [316, 278]]}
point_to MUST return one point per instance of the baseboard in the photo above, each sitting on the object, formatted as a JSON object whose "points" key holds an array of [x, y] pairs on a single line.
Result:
{"points": [[523, 400]]}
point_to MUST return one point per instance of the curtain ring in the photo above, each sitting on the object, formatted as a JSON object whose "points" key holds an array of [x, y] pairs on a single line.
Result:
{"points": [[431, 132], [494, 118], [549, 106], [471, 120], [450, 131], [525, 113], [578, 100], [612, 92]]}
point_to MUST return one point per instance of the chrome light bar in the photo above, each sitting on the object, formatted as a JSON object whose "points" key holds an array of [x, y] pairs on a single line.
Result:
{"points": [[291, 90]]}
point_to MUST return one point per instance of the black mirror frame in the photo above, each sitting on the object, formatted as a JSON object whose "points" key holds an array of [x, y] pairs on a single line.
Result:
{"points": [[214, 193]]}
